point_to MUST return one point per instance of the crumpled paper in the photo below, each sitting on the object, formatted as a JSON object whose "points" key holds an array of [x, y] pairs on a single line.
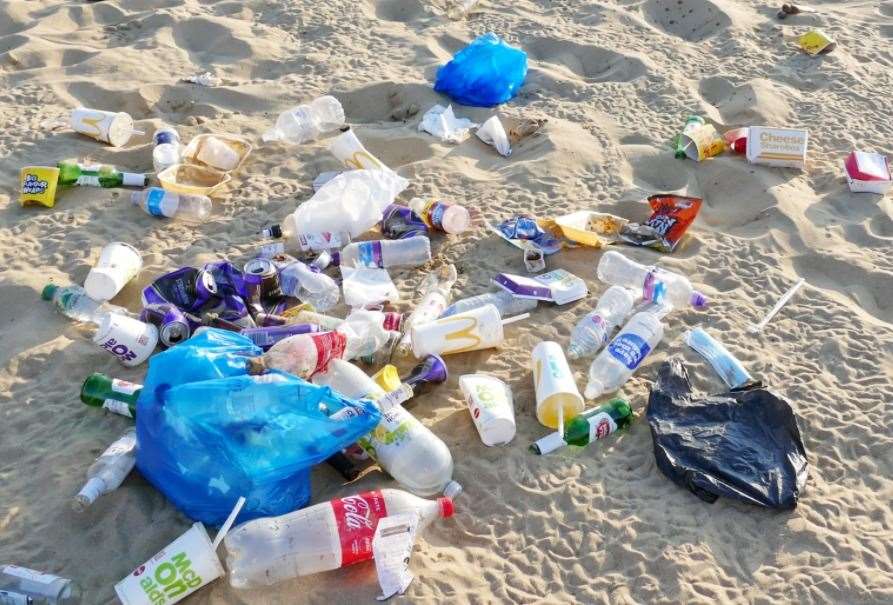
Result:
{"points": [[443, 123]]}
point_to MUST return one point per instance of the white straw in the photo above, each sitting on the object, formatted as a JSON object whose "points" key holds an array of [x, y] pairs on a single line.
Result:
{"points": [[515, 318], [224, 529], [756, 328], [561, 421]]}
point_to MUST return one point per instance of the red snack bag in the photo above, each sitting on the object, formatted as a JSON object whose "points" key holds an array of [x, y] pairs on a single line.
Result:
{"points": [[670, 218]]}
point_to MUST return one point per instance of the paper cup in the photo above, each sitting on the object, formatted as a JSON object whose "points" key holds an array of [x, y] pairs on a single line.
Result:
{"points": [[118, 263], [181, 568], [37, 185], [555, 386], [491, 405], [128, 339], [350, 152], [472, 330], [106, 126]]}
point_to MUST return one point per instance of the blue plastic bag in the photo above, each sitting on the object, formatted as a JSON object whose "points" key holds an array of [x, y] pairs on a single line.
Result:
{"points": [[485, 73], [209, 433]]}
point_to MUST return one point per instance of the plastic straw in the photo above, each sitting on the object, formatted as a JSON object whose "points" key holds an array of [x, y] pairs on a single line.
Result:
{"points": [[755, 328], [510, 320], [561, 421], [224, 529]]}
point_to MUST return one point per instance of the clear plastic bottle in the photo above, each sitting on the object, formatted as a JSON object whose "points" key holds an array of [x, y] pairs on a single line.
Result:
{"points": [[435, 296], [108, 472], [412, 251], [507, 304], [459, 9], [73, 302], [162, 203], [23, 586], [306, 242], [442, 216], [593, 330], [656, 284], [167, 151], [298, 280], [626, 352], [320, 537], [305, 123]]}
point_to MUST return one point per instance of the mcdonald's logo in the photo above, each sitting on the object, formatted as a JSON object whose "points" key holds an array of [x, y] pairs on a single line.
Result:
{"points": [[466, 332], [363, 159]]}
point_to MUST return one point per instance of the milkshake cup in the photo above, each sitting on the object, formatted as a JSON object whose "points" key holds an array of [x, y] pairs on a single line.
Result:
{"points": [[118, 263], [557, 397], [106, 126], [491, 405], [350, 152]]}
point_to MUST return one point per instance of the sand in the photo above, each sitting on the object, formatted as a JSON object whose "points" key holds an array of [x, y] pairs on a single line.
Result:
{"points": [[615, 81]]}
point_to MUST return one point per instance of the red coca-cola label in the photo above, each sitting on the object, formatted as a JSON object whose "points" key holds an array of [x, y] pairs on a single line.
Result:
{"points": [[357, 517], [329, 346]]}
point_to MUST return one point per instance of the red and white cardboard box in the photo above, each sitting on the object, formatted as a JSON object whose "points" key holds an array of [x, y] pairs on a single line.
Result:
{"points": [[868, 172]]}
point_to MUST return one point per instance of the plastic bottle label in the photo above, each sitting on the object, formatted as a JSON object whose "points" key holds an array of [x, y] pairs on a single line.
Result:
{"points": [[433, 213], [629, 349], [396, 426], [329, 346], [357, 517], [118, 407], [153, 202], [30, 574], [369, 254], [317, 242], [600, 426], [14, 598], [90, 180]]}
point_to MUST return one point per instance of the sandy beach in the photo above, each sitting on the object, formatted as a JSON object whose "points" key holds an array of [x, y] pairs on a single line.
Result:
{"points": [[614, 80]]}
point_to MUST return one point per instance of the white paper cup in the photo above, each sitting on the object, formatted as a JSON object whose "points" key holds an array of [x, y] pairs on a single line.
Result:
{"points": [[118, 263], [472, 330], [491, 405], [350, 152], [181, 568], [106, 126], [128, 339], [556, 389]]}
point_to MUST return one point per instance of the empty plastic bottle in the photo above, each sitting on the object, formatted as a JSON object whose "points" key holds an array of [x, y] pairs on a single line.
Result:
{"points": [[320, 537], [435, 293], [305, 123], [412, 252], [507, 304], [306, 242], [593, 330], [73, 302], [108, 472], [23, 586], [656, 284], [442, 216], [162, 203], [626, 352], [167, 151], [299, 280]]}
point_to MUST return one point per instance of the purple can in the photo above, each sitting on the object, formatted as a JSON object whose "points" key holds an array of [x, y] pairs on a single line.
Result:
{"points": [[173, 327], [400, 222]]}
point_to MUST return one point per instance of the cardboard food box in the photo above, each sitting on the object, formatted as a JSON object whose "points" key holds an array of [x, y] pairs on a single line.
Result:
{"points": [[868, 172], [784, 147]]}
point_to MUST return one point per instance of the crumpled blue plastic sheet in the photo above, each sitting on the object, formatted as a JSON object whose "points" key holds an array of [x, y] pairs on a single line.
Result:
{"points": [[485, 73]]}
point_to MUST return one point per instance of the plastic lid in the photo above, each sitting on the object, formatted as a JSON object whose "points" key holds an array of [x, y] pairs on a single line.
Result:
{"points": [[698, 300], [133, 179], [452, 489], [446, 507], [274, 231], [48, 291], [549, 443]]}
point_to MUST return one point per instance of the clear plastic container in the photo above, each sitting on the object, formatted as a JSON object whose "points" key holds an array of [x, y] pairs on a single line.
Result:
{"points": [[23, 586], [507, 304], [305, 123], [592, 331], [435, 296]]}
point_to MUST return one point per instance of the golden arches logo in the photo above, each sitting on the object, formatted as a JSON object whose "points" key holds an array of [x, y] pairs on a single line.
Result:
{"points": [[465, 332], [94, 122], [363, 159]]}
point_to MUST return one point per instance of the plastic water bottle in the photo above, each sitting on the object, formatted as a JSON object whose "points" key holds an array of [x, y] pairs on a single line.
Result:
{"points": [[74, 303], [306, 242], [298, 280], [592, 331], [320, 537], [435, 293], [656, 284], [412, 252], [23, 586], [167, 151], [442, 216], [162, 203], [626, 352], [108, 472], [507, 304], [305, 123]]}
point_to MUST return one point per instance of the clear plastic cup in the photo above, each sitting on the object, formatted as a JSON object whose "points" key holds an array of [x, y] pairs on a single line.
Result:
{"points": [[118, 263], [106, 126]]}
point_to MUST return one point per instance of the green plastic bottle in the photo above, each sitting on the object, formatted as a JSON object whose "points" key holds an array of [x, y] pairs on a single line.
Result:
{"points": [[72, 173], [589, 426], [113, 394]]}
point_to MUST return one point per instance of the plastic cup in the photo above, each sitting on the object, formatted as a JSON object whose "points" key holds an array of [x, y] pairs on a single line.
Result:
{"points": [[128, 339], [491, 405], [216, 153], [557, 397], [37, 185], [106, 126], [118, 263], [350, 152], [472, 330], [178, 570]]}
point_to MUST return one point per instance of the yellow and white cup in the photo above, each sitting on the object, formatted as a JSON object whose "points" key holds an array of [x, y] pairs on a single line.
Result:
{"points": [[118, 263], [350, 152], [557, 397], [37, 185], [472, 330], [106, 126]]}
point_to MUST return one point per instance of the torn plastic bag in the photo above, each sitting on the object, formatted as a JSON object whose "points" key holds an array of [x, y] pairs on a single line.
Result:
{"points": [[743, 445], [208, 433]]}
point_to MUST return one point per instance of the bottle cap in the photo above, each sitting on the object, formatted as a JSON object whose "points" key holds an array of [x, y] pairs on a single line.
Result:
{"points": [[549, 443], [48, 291], [446, 507], [275, 231], [88, 494], [698, 300], [452, 489], [132, 179]]}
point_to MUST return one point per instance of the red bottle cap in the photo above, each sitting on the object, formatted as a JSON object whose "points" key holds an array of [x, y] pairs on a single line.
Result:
{"points": [[446, 507]]}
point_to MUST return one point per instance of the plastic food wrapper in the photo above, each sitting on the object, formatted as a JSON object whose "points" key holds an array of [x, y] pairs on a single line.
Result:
{"points": [[743, 444], [485, 73], [443, 123], [519, 228], [726, 365], [493, 133], [816, 42], [595, 229], [368, 286], [670, 218], [208, 433]]}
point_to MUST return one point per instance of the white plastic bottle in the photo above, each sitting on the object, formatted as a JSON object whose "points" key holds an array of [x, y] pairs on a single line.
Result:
{"points": [[319, 538], [306, 242], [108, 472], [507, 304], [162, 203], [442, 216], [305, 123], [435, 293], [412, 251], [23, 586], [298, 280], [592, 331], [623, 356], [73, 302], [404, 447], [656, 284]]}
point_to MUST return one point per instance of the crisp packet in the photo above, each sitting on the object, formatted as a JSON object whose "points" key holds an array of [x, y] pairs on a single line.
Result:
{"points": [[671, 216]]}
